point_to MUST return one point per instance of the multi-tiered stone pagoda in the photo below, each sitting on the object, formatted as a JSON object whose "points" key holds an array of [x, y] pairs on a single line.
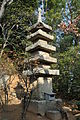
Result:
{"points": [[40, 53]]}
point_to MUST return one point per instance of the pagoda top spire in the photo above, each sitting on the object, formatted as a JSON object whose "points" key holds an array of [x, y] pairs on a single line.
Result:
{"points": [[40, 24], [39, 15]]}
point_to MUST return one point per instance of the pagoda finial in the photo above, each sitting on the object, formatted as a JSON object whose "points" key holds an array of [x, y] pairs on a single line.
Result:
{"points": [[39, 15]]}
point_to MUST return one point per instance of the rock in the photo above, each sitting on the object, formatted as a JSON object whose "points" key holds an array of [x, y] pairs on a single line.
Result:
{"points": [[59, 102], [53, 115], [69, 114], [67, 109], [77, 116]]}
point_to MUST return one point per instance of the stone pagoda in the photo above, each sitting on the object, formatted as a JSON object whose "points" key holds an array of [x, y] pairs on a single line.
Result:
{"points": [[40, 57]]}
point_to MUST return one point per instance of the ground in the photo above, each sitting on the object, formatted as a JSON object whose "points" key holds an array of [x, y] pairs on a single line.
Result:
{"points": [[13, 112], [32, 116]]}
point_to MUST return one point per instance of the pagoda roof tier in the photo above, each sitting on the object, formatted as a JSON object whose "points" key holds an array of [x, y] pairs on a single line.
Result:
{"points": [[44, 66], [41, 72], [42, 59], [40, 35], [45, 71], [40, 25], [41, 45], [45, 60]]}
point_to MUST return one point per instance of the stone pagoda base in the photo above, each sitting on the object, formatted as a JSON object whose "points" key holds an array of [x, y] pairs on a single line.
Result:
{"points": [[42, 106], [41, 85], [38, 107]]}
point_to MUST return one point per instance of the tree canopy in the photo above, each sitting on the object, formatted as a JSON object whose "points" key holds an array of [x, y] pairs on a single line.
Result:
{"points": [[62, 16]]}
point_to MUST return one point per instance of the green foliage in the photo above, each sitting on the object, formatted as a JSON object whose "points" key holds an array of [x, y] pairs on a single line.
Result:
{"points": [[68, 83], [65, 43], [17, 18], [75, 7], [6, 66], [54, 12]]}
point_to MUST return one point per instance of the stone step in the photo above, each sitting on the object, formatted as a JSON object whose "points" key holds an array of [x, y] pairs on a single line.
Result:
{"points": [[40, 35]]}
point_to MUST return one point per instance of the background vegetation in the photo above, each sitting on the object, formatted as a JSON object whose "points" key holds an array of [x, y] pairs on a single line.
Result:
{"points": [[64, 17]]}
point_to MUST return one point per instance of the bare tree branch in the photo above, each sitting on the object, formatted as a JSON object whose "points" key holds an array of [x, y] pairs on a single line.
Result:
{"points": [[5, 37], [2, 9]]}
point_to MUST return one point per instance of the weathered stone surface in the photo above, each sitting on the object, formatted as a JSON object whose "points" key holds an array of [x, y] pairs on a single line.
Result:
{"points": [[41, 45], [40, 35], [51, 105], [54, 115], [40, 53], [39, 71], [59, 102], [42, 57], [45, 71], [27, 73], [44, 66], [41, 60], [44, 85], [42, 106], [38, 107], [40, 24], [46, 60]]}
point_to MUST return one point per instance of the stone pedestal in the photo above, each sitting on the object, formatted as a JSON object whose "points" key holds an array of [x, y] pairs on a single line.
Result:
{"points": [[37, 107], [41, 106], [44, 84]]}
